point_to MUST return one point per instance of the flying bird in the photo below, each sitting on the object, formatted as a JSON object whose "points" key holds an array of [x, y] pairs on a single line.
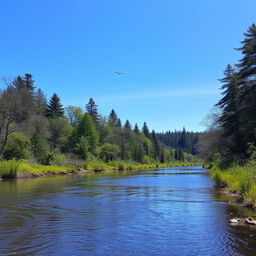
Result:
{"points": [[119, 73]]}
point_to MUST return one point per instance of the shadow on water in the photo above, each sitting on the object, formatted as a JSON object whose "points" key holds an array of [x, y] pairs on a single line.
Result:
{"points": [[170, 211]]}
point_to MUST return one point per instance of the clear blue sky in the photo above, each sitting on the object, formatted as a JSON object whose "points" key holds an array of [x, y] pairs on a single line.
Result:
{"points": [[171, 52]]}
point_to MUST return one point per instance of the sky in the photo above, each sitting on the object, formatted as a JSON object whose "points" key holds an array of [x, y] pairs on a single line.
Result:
{"points": [[171, 53]]}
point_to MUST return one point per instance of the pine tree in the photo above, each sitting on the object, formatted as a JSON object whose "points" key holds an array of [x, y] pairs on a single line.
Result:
{"points": [[127, 125], [92, 109], [136, 129], [40, 102], [38, 147], [113, 119], [145, 130], [54, 108], [118, 123], [230, 117], [156, 146], [182, 139], [247, 84], [86, 128], [29, 82], [18, 83]]}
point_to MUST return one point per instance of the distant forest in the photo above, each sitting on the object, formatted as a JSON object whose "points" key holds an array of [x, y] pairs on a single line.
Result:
{"points": [[43, 131], [187, 141]]}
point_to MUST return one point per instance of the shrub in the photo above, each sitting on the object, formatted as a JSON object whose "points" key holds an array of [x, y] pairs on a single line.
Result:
{"points": [[109, 152], [17, 147]]}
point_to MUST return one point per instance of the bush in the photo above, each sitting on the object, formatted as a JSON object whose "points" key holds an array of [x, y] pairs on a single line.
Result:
{"points": [[57, 159], [17, 147], [109, 152], [82, 148]]}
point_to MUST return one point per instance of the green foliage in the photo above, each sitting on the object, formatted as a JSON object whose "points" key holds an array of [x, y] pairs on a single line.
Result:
{"points": [[48, 137], [237, 118], [54, 108], [92, 109], [187, 141], [74, 114], [179, 155], [38, 147], [17, 147], [9, 169], [55, 158], [109, 152], [12, 168], [113, 120], [82, 148], [57, 129], [86, 128], [145, 130], [240, 179]]}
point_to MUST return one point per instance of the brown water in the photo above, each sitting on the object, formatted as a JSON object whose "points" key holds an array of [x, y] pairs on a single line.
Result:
{"points": [[173, 211]]}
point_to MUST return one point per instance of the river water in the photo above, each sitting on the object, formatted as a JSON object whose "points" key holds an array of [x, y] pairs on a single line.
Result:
{"points": [[172, 211]]}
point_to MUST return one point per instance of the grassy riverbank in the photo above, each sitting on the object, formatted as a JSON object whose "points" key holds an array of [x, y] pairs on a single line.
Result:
{"points": [[18, 169], [238, 179]]}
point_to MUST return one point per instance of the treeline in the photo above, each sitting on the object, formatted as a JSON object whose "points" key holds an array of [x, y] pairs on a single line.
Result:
{"points": [[184, 140], [31, 127], [233, 133]]}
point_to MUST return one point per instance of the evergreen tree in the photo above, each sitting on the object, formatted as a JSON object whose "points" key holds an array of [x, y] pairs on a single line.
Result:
{"points": [[113, 119], [247, 85], [29, 82], [182, 139], [127, 125], [18, 83], [145, 130], [38, 147], [92, 109], [156, 145], [229, 104], [136, 129], [118, 123], [86, 127], [54, 108], [40, 102]]}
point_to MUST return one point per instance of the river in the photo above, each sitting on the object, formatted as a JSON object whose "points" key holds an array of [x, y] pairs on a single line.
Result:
{"points": [[172, 211]]}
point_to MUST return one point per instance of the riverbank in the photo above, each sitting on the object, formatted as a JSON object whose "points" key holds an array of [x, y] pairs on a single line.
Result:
{"points": [[238, 180], [13, 169]]}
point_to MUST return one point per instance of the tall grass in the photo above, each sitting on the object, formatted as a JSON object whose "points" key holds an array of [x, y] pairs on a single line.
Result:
{"points": [[122, 165], [11, 168], [239, 179]]}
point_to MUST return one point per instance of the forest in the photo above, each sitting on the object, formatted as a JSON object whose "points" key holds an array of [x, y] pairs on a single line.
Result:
{"points": [[42, 131], [229, 145]]}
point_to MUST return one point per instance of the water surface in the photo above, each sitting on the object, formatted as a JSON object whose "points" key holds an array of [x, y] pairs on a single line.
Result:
{"points": [[172, 211]]}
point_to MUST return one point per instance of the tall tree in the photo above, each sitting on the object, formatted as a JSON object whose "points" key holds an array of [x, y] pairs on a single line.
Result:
{"points": [[247, 84], [14, 110], [86, 128], [156, 146], [92, 109], [74, 114], [127, 125], [118, 123], [29, 82], [145, 130], [113, 119], [54, 108], [136, 129], [230, 117], [40, 102]]}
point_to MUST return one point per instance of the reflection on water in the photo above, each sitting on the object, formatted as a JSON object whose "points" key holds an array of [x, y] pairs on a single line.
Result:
{"points": [[172, 211]]}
